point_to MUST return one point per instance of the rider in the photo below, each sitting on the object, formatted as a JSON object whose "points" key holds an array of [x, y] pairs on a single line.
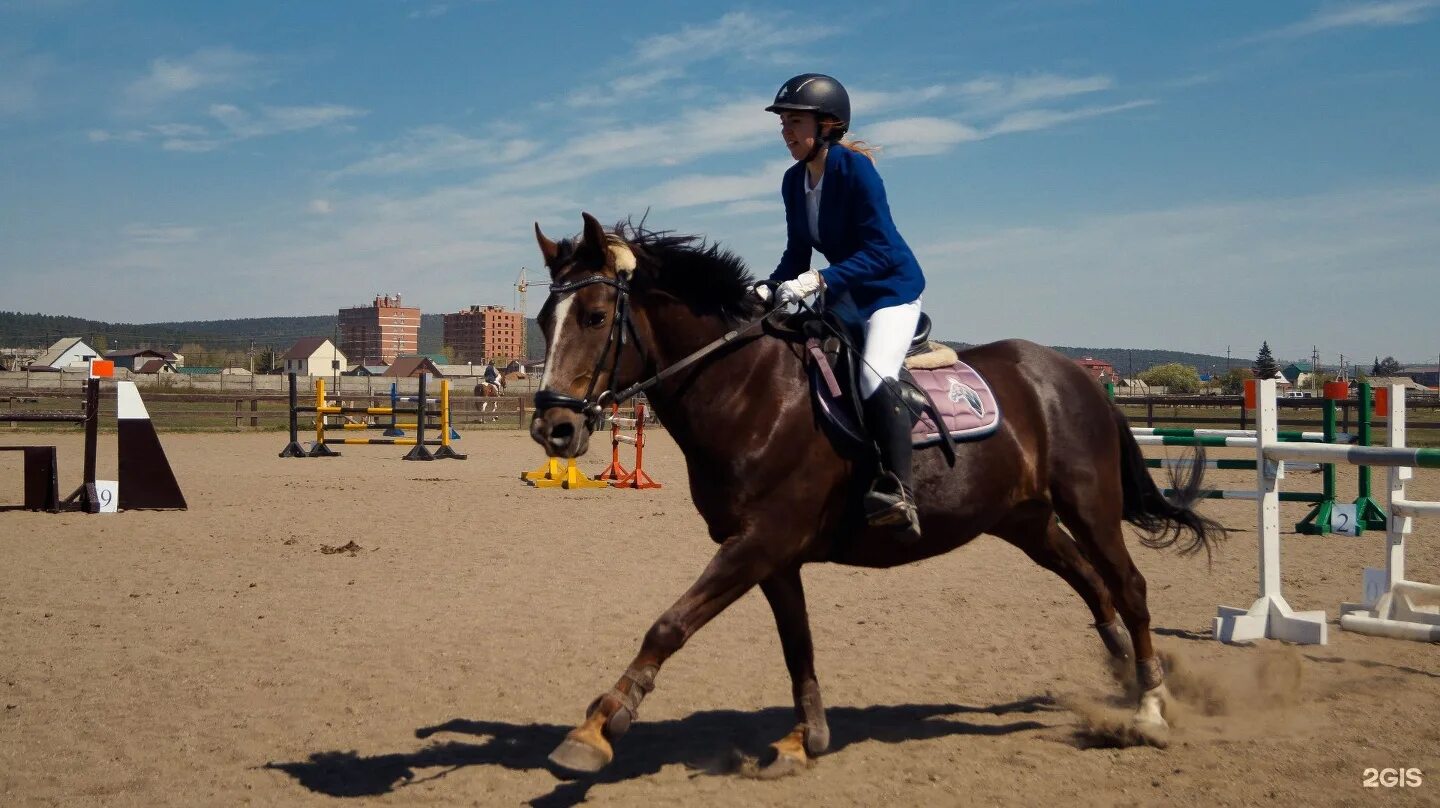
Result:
{"points": [[870, 264]]}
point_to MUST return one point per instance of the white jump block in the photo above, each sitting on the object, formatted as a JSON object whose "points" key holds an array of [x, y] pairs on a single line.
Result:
{"points": [[1270, 617]]}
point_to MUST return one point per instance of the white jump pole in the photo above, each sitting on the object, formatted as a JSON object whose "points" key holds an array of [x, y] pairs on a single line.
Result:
{"points": [[1393, 611], [1269, 616]]}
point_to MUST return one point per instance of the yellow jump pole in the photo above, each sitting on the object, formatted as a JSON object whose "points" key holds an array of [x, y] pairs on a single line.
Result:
{"points": [[446, 450], [320, 449]]}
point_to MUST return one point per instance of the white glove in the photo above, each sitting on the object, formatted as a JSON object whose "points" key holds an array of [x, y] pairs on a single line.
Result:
{"points": [[807, 284], [761, 292]]}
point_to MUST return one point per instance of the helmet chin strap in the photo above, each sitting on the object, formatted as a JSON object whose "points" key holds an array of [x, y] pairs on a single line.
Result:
{"points": [[822, 140]]}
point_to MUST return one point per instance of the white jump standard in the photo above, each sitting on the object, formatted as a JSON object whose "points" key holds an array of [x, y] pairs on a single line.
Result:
{"points": [[1395, 613]]}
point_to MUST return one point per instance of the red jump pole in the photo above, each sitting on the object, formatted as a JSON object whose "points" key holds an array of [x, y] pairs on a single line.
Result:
{"points": [[614, 471], [637, 478]]}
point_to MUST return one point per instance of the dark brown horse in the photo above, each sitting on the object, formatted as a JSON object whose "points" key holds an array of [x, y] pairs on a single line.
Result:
{"points": [[628, 304]]}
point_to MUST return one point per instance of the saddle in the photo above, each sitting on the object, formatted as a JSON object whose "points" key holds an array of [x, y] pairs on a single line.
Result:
{"points": [[949, 401]]}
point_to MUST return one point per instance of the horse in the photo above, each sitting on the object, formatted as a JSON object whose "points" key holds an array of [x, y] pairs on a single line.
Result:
{"points": [[630, 304], [489, 390]]}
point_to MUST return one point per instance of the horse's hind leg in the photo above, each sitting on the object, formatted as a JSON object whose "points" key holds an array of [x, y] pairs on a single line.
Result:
{"points": [[1049, 546], [811, 734], [1097, 529]]}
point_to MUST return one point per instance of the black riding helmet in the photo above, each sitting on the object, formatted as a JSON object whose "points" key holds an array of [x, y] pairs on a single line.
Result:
{"points": [[817, 93]]}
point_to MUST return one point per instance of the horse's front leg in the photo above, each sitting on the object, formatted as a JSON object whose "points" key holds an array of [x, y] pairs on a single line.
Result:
{"points": [[741, 563], [811, 733]]}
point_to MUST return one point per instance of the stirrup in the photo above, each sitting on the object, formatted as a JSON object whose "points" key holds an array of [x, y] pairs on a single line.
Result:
{"points": [[889, 504]]}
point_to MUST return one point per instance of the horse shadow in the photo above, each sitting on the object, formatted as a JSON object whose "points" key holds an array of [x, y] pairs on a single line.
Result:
{"points": [[713, 742]]}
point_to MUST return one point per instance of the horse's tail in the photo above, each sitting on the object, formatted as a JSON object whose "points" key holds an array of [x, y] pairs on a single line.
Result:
{"points": [[1164, 520]]}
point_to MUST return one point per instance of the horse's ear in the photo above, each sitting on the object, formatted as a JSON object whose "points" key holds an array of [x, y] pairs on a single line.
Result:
{"points": [[594, 239], [547, 247]]}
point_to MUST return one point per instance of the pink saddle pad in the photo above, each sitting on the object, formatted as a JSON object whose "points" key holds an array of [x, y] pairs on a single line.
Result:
{"points": [[966, 404]]}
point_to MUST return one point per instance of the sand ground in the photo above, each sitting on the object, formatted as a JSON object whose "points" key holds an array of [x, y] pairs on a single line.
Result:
{"points": [[218, 656]]}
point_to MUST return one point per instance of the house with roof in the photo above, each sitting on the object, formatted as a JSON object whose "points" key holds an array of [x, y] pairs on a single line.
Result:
{"points": [[1376, 382], [410, 367], [1099, 369], [1298, 373], [314, 356], [366, 370], [136, 358], [155, 366], [66, 354], [1426, 375]]}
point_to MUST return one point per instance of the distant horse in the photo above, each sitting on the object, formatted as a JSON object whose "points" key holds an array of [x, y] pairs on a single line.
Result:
{"points": [[484, 392], [627, 304]]}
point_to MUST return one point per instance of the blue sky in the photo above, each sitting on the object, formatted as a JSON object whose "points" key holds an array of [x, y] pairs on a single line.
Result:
{"points": [[1181, 175]]}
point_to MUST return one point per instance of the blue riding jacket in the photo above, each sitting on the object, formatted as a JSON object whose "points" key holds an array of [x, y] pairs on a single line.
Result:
{"points": [[871, 266]]}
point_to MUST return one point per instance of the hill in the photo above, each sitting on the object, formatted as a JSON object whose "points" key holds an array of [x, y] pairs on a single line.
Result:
{"points": [[278, 333], [215, 336]]}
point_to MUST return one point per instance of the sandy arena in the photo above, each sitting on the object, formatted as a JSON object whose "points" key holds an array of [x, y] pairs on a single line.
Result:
{"points": [[219, 657]]}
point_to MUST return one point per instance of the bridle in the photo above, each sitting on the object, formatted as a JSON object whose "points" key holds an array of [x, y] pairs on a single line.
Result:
{"points": [[620, 326]]}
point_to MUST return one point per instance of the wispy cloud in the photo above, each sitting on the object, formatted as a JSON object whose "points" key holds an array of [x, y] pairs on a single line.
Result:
{"points": [[1036, 119], [1103, 279], [429, 9], [749, 35], [712, 189], [659, 64], [232, 124], [996, 93], [172, 77], [908, 137], [623, 89], [159, 234], [1384, 14], [429, 149]]}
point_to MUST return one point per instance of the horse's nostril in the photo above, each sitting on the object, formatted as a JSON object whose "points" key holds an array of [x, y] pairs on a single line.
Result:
{"points": [[561, 433]]}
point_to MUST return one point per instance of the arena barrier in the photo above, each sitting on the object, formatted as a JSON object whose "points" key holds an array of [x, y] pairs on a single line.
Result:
{"points": [[421, 410], [553, 475], [1320, 520], [1391, 607], [145, 480]]}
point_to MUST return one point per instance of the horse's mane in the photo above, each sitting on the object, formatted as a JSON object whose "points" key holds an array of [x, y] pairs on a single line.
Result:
{"points": [[705, 276]]}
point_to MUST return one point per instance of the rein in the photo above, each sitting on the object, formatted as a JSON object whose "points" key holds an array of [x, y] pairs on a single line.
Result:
{"points": [[594, 411]]}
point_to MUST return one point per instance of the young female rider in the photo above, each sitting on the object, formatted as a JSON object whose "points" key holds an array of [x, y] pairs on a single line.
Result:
{"points": [[835, 202]]}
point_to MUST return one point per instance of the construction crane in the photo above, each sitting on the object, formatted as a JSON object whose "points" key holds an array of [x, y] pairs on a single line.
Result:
{"points": [[521, 285]]}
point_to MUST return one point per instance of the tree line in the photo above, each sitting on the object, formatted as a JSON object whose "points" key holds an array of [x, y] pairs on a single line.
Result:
{"points": [[1185, 379]]}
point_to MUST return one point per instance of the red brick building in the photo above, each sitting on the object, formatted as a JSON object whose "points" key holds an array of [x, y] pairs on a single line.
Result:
{"points": [[1101, 370], [484, 334], [378, 333]]}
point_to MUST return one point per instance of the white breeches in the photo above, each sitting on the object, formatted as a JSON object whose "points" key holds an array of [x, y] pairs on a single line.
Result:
{"points": [[887, 338]]}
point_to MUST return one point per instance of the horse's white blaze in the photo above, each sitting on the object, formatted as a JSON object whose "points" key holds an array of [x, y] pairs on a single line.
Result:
{"points": [[562, 313]]}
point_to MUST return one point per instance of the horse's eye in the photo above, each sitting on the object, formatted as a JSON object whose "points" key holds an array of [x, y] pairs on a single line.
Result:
{"points": [[595, 319]]}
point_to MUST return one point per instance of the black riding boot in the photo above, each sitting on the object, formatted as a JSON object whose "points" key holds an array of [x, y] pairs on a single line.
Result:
{"points": [[891, 500]]}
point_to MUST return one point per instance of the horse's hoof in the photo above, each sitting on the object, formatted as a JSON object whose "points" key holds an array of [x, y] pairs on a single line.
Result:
{"points": [[578, 756], [1152, 733], [790, 757], [817, 740], [585, 749]]}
